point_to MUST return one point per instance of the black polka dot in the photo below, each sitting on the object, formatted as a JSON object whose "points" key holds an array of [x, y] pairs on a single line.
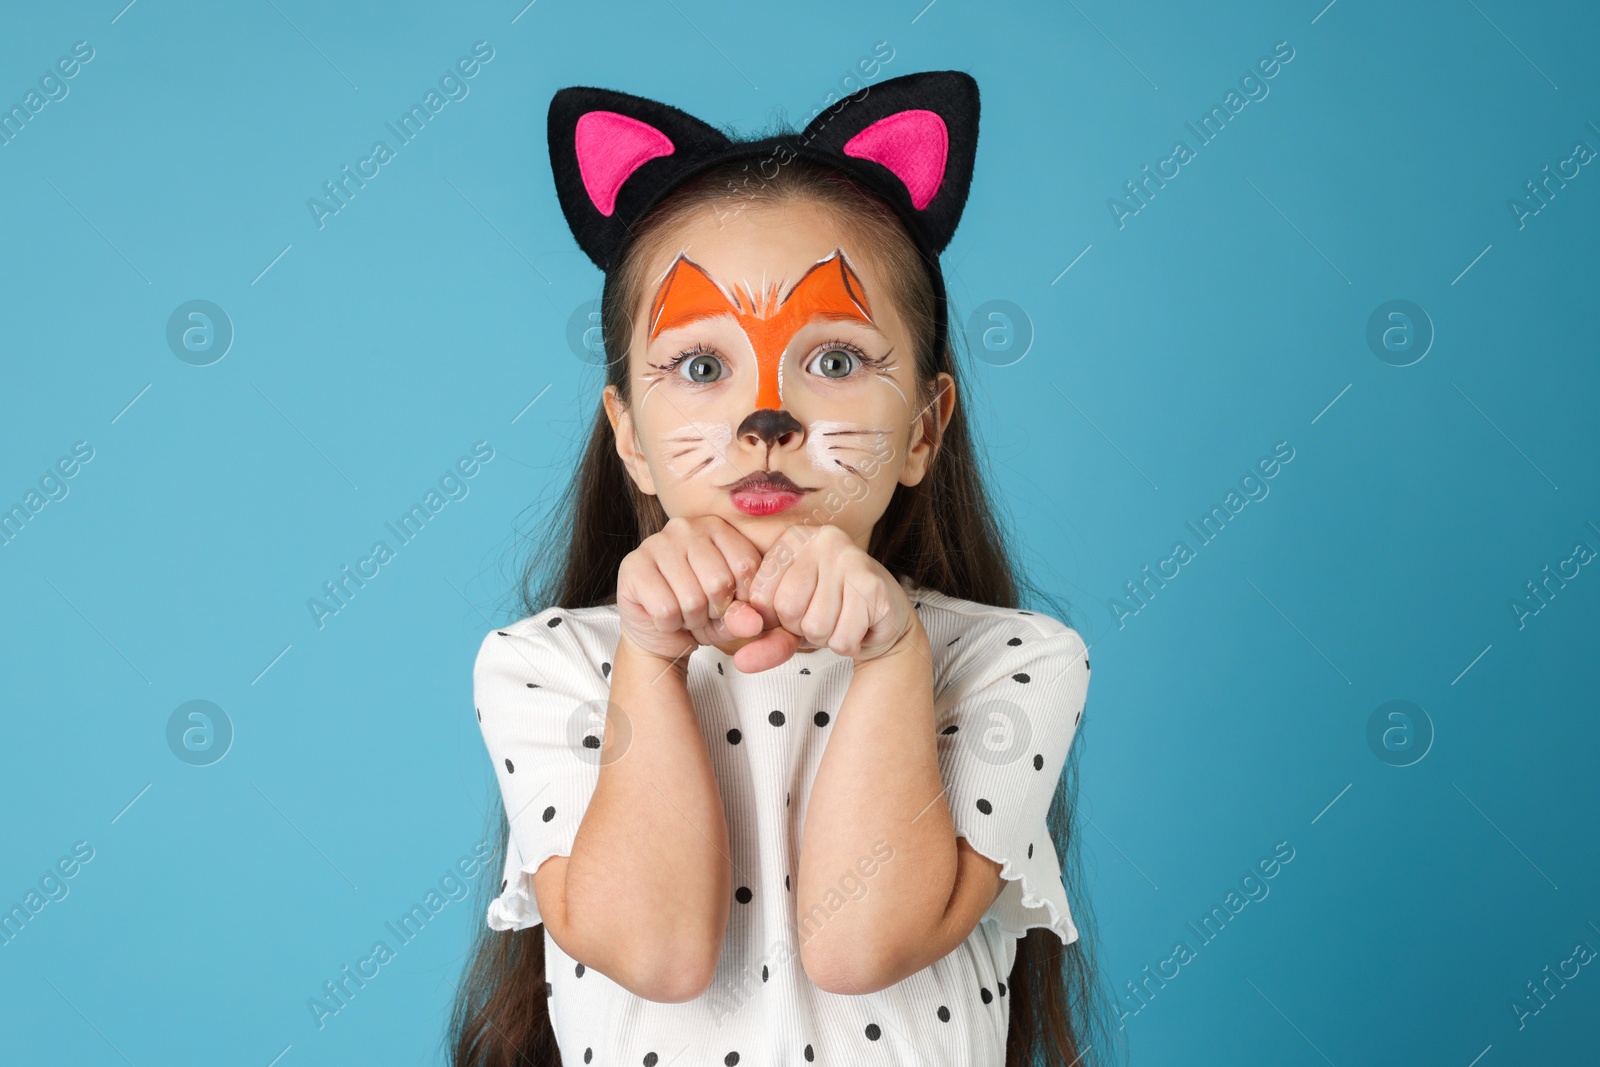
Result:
{"points": [[786, 800], [809, 1054], [952, 728], [1014, 641], [588, 1054], [763, 972], [743, 894], [509, 768], [820, 718], [480, 713], [554, 622], [1030, 850], [503, 883], [1086, 663], [605, 669], [549, 813], [786, 882], [734, 735], [731, 1058], [1038, 761], [650, 1059], [719, 668], [985, 995], [591, 741], [549, 990], [1023, 678], [917, 604], [533, 685], [776, 718], [578, 970], [1024, 613], [944, 1014], [952, 641], [805, 670], [1002, 986], [985, 807], [873, 1033], [502, 633]]}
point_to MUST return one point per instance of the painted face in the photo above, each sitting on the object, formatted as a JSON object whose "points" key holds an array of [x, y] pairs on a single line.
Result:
{"points": [[775, 384]]}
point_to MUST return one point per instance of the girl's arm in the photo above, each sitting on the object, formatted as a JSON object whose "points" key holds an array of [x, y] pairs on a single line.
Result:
{"points": [[643, 898], [877, 825]]}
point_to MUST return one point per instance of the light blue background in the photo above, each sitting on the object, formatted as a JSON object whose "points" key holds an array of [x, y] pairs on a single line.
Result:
{"points": [[1230, 313]]}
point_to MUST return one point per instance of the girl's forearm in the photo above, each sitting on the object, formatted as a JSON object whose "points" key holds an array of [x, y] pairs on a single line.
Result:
{"points": [[878, 859], [648, 881]]}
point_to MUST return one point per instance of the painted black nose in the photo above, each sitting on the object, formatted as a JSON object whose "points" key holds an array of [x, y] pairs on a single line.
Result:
{"points": [[770, 425]]}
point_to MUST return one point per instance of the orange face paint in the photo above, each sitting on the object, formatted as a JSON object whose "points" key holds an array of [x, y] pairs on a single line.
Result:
{"points": [[830, 290]]}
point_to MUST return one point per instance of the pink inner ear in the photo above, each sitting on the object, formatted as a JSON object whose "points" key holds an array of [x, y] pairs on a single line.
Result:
{"points": [[913, 144], [610, 148]]}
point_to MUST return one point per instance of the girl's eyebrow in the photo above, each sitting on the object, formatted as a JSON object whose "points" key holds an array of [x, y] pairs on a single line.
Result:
{"points": [[829, 290]]}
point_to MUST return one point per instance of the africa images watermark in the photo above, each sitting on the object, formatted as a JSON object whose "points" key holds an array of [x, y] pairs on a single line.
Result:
{"points": [[341, 589], [728, 996], [52, 487], [1253, 885], [1253, 84], [856, 83], [454, 885], [53, 88], [52, 887], [1539, 596], [804, 528], [453, 86], [1538, 997], [1254, 488], [1538, 196]]}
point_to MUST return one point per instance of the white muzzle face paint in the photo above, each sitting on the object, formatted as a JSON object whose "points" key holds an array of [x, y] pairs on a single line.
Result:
{"points": [[699, 449], [831, 445]]}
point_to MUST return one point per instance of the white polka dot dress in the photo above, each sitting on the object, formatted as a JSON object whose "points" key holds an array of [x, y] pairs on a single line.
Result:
{"points": [[1009, 689]]}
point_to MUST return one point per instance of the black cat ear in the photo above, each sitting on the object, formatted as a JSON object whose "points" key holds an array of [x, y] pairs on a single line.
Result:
{"points": [[913, 139], [613, 156], [910, 139]]}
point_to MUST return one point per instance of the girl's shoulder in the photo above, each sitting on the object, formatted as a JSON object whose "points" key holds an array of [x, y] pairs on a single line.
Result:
{"points": [[981, 648], [957, 616], [550, 622], [568, 644]]}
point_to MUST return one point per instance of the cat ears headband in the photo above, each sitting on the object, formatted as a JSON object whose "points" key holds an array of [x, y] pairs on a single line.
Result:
{"points": [[911, 140]]}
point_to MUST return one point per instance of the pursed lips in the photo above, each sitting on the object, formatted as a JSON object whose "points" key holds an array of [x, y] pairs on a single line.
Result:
{"points": [[766, 482]]}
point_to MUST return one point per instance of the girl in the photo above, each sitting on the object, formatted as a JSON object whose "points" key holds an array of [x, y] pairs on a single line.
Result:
{"points": [[775, 746]]}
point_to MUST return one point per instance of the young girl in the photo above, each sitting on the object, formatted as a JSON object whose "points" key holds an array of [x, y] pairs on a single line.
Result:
{"points": [[776, 747]]}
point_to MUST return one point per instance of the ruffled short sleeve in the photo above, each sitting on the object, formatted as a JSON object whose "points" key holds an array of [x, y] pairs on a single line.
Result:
{"points": [[540, 688], [1006, 719]]}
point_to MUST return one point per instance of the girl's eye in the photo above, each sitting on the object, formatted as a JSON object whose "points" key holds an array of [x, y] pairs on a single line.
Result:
{"points": [[698, 366], [838, 360]]}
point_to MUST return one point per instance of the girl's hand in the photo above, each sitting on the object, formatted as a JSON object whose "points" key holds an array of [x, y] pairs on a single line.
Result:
{"points": [[687, 586], [817, 585]]}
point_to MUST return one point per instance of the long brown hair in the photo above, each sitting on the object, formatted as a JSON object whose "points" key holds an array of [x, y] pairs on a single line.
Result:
{"points": [[942, 533]]}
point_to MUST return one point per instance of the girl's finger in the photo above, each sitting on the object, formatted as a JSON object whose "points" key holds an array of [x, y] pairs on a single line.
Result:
{"points": [[673, 562], [651, 591], [739, 621], [886, 624], [822, 617], [774, 647], [775, 564], [742, 558], [715, 576], [854, 621], [792, 597]]}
